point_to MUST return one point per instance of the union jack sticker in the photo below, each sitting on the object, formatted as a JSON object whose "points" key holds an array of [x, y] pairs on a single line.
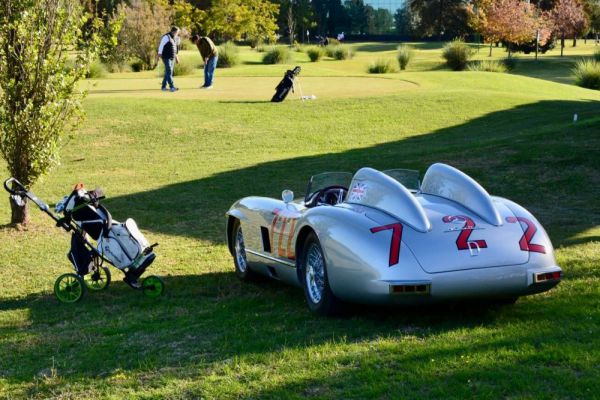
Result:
{"points": [[358, 192]]}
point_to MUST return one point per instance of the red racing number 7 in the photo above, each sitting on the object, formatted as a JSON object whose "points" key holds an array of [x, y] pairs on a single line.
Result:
{"points": [[396, 240]]}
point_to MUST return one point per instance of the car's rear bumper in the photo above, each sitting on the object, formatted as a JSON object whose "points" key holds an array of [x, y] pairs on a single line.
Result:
{"points": [[500, 282]]}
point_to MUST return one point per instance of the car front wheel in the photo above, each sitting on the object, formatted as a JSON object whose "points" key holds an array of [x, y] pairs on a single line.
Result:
{"points": [[319, 296], [239, 254]]}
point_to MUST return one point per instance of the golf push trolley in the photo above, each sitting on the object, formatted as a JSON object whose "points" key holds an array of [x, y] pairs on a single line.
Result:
{"points": [[96, 238]]}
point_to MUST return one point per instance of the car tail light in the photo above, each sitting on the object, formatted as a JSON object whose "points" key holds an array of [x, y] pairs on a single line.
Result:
{"points": [[410, 289], [547, 277]]}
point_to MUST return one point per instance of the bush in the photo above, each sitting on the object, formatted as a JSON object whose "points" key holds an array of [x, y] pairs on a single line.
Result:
{"points": [[118, 67], [315, 53], [382, 66], [457, 54], [597, 55], [339, 52], [97, 70], [487, 66], [587, 74], [277, 55], [183, 68], [260, 48], [333, 42], [138, 66], [405, 54], [299, 48], [186, 44], [510, 63], [229, 55]]}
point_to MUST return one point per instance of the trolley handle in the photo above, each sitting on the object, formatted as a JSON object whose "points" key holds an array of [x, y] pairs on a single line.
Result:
{"points": [[21, 189]]}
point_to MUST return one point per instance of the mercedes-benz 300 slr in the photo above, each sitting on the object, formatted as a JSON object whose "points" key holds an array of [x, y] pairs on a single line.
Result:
{"points": [[386, 238]]}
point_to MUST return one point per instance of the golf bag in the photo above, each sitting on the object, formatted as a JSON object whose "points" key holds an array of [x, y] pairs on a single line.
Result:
{"points": [[286, 84], [121, 244]]}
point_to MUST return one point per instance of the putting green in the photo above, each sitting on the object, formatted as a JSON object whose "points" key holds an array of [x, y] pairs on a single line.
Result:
{"points": [[251, 89]]}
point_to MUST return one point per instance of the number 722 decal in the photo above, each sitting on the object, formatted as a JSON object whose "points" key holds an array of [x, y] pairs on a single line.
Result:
{"points": [[462, 242]]}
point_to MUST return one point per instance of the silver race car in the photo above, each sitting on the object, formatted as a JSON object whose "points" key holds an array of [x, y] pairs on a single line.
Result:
{"points": [[385, 238]]}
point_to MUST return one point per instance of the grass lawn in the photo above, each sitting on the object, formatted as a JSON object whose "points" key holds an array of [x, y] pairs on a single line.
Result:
{"points": [[176, 161]]}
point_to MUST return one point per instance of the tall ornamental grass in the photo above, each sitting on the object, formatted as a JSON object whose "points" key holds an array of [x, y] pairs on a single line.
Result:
{"points": [[277, 55], [405, 55], [457, 54], [587, 74]]}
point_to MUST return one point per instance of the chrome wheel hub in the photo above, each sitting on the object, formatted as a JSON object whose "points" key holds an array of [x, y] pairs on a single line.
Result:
{"points": [[240, 251], [315, 274]]}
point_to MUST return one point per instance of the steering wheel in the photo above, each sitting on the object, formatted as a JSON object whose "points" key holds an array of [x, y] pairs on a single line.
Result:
{"points": [[330, 195]]}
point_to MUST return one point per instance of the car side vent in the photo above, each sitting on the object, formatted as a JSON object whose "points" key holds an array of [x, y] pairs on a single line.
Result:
{"points": [[265, 239]]}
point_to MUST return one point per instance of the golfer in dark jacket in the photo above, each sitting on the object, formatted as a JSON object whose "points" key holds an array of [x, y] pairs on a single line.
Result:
{"points": [[167, 51], [210, 56]]}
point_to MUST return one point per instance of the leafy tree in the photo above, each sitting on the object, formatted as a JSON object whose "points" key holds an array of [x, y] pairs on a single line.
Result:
{"points": [[303, 17], [569, 19], [234, 19], [139, 38], [514, 22], [440, 17], [331, 16], [404, 22], [39, 96], [359, 15], [383, 22]]}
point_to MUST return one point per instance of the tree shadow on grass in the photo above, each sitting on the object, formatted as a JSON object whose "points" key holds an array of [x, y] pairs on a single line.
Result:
{"points": [[531, 154], [206, 323]]}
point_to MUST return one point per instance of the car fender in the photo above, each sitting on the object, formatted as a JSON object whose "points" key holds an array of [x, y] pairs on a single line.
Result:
{"points": [[358, 259]]}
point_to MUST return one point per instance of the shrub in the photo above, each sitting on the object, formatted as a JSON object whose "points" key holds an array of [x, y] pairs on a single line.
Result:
{"points": [[315, 53], [298, 47], [382, 66], [510, 63], [260, 48], [333, 41], [118, 67], [405, 54], [183, 68], [587, 74], [229, 55], [96, 70], [597, 55], [186, 44], [138, 66], [457, 54], [487, 66], [339, 52], [277, 55]]}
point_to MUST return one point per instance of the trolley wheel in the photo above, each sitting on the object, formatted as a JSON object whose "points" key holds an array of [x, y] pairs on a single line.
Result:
{"points": [[69, 288], [153, 286], [97, 279]]}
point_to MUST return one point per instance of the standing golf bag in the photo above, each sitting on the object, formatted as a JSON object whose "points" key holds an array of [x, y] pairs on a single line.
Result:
{"points": [[286, 84]]}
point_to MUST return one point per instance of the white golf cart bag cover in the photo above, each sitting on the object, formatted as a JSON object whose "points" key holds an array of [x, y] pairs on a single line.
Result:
{"points": [[123, 245]]}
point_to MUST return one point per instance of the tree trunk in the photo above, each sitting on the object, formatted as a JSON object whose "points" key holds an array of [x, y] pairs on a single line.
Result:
{"points": [[562, 44], [490, 50], [574, 42], [19, 214]]}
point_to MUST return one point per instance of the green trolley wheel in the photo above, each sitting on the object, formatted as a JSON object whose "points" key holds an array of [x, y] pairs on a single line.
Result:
{"points": [[69, 288], [97, 279], [153, 286]]}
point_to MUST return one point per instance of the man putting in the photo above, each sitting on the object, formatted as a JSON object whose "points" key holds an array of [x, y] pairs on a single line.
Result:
{"points": [[210, 55], [167, 51]]}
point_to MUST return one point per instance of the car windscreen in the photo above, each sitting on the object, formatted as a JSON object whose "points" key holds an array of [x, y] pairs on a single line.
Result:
{"points": [[327, 179], [407, 177]]}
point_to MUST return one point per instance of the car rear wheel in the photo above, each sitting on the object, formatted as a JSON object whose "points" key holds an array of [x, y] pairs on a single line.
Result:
{"points": [[239, 254], [319, 296]]}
